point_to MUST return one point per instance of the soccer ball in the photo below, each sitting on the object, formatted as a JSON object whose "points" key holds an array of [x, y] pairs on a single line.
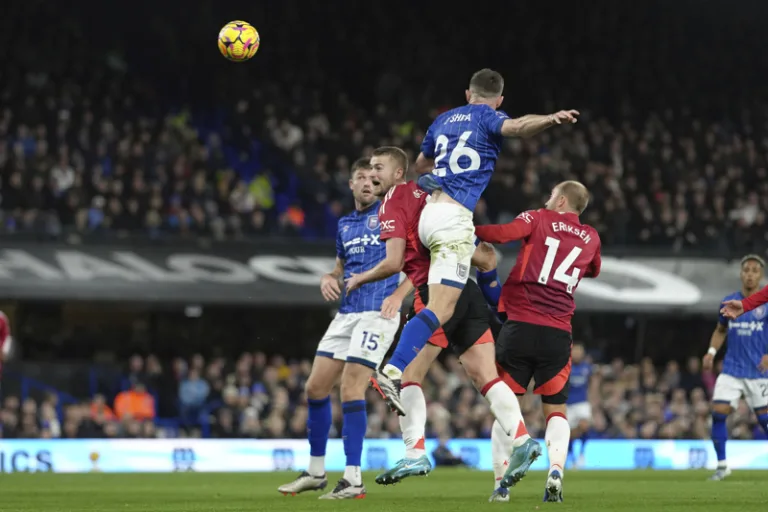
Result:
{"points": [[238, 41]]}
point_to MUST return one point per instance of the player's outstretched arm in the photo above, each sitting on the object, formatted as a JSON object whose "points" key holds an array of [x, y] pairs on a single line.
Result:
{"points": [[532, 124], [755, 300], [392, 264], [505, 233]]}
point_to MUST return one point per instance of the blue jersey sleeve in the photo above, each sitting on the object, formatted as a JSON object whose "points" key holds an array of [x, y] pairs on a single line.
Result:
{"points": [[720, 318], [428, 144], [339, 243], [493, 121]]}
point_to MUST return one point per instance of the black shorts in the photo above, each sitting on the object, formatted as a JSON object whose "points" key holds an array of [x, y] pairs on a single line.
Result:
{"points": [[527, 351], [469, 324]]}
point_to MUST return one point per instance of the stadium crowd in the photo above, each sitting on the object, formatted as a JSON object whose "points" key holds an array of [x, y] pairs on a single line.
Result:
{"points": [[680, 174], [254, 397]]}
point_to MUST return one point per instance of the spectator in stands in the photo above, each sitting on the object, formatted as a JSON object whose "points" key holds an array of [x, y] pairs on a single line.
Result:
{"points": [[135, 404], [193, 394]]}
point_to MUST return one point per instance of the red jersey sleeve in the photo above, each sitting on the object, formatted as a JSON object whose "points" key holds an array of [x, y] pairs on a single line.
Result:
{"points": [[393, 222], [518, 229], [596, 264], [755, 300]]}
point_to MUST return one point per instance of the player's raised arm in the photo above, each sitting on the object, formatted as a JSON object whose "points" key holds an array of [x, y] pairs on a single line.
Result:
{"points": [[532, 124], [518, 229]]}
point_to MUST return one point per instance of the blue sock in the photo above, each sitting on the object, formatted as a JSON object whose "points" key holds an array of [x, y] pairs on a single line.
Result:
{"points": [[490, 286], [318, 425], [763, 420], [719, 434], [353, 432], [413, 338], [584, 437]]}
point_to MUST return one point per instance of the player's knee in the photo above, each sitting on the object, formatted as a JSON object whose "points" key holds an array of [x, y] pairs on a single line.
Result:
{"points": [[443, 310], [721, 408], [318, 386], [354, 381]]}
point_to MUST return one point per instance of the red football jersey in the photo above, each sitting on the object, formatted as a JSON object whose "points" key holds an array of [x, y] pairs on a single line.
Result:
{"points": [[557, 252], [399, 218]]}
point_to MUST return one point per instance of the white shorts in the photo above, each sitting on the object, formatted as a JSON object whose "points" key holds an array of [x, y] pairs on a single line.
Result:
{"points": [[730, 389], [446, 229], [577, 413], [362, 338]]}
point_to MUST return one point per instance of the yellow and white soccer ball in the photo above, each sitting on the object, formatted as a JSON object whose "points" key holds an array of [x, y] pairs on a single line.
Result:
{"points": [[238, 41]]}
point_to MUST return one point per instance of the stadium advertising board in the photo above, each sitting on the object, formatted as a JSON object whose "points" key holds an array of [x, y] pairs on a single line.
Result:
{"points": [[168, 455], [276, 273]]}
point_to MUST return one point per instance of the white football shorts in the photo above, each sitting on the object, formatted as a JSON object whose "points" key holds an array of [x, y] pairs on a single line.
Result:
{"points": [[730, 389], [362, 338], [446, 229], [577, 413]]}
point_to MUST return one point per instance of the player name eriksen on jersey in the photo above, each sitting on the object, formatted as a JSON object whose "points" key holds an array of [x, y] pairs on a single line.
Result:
{"points": [[571, 230]]}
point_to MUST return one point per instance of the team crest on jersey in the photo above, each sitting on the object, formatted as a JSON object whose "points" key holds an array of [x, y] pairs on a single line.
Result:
{"points": [[373, 222], [759, 312], [462, 271], [345, 228]]}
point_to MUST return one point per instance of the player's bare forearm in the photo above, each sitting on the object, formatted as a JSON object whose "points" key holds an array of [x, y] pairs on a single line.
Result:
{"points": [[718, 337], [404, 289], [338, 270], [527, 126], [392, 264], [423, 164]]}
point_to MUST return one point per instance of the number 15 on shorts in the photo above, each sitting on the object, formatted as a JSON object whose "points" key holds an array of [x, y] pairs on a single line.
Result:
{"points": [[370, 341]]}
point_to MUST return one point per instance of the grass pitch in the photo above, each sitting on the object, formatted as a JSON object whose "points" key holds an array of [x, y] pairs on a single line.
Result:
{"points": [[445, 490]]}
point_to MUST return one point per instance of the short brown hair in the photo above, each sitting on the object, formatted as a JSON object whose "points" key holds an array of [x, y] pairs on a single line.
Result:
{"points": [[397, 154], [361, 164], [576, 194], [486, 83]]}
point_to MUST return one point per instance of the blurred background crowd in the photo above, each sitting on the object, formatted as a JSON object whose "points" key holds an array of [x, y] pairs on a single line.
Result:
{"points": [[260, 397], [152, 135]]}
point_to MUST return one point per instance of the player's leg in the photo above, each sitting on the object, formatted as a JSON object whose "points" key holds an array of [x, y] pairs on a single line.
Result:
{"points": [[501, 447], [413, 423], [369, 342], [322, 378], [551, 376], [580, 421], [484, 260], [447, 230], [557, 437], [326, 369], [757, 398], [727, 392]]}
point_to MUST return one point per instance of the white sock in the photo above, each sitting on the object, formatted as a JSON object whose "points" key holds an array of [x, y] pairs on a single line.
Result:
{"points": [[501, 448], [392, 372], [506, 408], [316, 465], [353, 476], [413, 424], [557, 436], [722, 464]]}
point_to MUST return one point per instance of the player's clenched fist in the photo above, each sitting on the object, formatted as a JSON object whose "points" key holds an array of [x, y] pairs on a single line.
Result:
{"points": [[329, 287], [565, 116], [707, 361]]}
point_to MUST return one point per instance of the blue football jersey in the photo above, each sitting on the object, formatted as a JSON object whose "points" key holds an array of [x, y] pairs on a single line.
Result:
{"points": [[358, 244], [747, 342], [579, 383], [465, 143]]}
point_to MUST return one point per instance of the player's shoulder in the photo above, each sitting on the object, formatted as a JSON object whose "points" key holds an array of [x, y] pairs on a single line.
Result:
{"points": [[733, 296]]}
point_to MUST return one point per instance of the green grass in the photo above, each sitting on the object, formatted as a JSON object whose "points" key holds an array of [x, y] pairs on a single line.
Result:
{"points": [[445, 490]]}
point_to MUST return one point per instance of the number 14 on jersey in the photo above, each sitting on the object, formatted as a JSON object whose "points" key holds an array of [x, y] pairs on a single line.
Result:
{"points": [[561, 272]]}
